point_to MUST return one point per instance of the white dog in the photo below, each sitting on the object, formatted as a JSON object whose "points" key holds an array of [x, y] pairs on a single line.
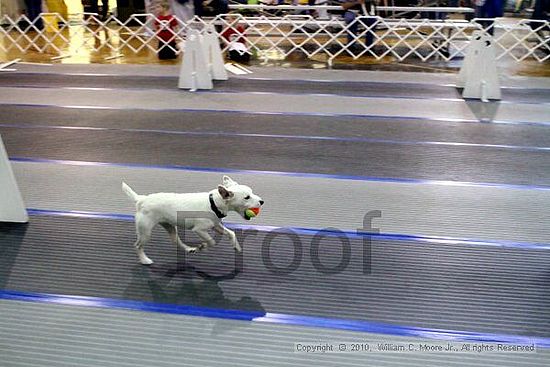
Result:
{"points": [[199, 212]]}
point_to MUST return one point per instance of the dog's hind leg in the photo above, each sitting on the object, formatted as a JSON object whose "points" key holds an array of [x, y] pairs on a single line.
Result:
{"points": [[173, 232], [232, 236], [144, 227]]}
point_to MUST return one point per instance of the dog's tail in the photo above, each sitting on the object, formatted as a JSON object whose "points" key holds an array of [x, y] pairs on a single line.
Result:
{"points": [[131, 193]]}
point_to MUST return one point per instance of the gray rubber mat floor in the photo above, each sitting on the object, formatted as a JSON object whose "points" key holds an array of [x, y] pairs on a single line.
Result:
{"points": [[429, 210], [313, 128], [392, 130], [276, 73], [313, 104], [465, 163], [424, 285], [242, 84], [90, 337]]}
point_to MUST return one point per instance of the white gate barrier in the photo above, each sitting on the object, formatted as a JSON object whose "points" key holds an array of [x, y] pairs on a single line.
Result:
{"points": [[278, 37]]}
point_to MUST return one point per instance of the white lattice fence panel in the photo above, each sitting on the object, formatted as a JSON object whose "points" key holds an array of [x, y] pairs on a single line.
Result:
{"points": [[264, 35]]}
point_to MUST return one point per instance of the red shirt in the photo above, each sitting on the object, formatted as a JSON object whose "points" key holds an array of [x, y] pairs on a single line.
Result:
{"points": [[166, 24], [234, 32]]}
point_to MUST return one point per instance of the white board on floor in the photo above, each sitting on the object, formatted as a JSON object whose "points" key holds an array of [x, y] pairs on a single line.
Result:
{"points": [[12, 208]]}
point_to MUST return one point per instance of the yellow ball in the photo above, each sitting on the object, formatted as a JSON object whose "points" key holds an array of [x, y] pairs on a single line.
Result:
{"points": [[250, 213]]}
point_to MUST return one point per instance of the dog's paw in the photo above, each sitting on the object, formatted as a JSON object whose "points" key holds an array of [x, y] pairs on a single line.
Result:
{"points": [[236, 245], [192, 250], [146, 261]]}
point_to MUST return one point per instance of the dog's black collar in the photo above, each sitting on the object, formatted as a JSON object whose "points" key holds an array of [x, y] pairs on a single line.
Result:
{"points": [[214, 208]]}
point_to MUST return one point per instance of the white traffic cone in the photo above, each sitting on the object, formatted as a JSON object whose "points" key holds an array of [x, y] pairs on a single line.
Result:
{"points": [[214, 55], [194, 72], [12, 208], [482, 80]]}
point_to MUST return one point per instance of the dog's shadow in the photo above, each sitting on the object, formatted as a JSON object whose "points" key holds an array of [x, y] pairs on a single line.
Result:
{"points": [[12, 236], [183, 284]]}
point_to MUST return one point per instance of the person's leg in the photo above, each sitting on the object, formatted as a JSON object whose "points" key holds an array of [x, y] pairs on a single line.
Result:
{"points": [[349, 19], [468, 4], [94, 6], [28, 11], [34, 8], [199, 10], [104, 8], [369, 36], [310, 3], [490, 26], [172, 50], [487, 25], [161, 50], [223, 6], [166, 51]]}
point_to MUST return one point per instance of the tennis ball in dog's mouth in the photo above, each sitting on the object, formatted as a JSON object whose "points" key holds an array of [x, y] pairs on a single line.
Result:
{"points": [[252, 212]]}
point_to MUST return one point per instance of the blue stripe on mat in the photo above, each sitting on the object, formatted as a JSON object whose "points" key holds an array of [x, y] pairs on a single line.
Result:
{"points": [[275, 318], [281, 173], [358, 234]]}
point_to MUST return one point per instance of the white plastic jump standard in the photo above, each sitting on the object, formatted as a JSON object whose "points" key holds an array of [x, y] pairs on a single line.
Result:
{"points": [[214, 55], [12, 208], [478, 75], [468, 63], [194, 73]]}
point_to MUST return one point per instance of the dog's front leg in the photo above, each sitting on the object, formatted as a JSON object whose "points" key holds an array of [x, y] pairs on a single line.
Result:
{"points": [[232, 236]]}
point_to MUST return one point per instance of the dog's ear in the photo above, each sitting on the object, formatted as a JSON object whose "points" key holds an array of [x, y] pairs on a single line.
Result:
{"points": [[225, 193], [228, 181]]}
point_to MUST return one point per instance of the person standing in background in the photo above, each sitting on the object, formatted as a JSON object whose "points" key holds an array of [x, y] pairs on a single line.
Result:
{"points": [[34, 8], [166, 26], [541, 11], [94, 8], [489, 9], [359, 8]]}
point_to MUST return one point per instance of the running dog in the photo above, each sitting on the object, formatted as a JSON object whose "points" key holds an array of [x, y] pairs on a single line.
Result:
{"points": [[198, 212]]}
